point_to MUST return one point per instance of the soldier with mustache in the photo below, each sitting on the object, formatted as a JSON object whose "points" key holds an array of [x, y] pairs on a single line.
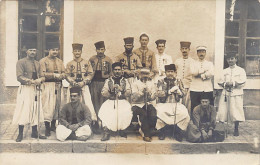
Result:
{"points": [[79, 74], [184, 71], [27, 111], [202, 74], [53, 70]]}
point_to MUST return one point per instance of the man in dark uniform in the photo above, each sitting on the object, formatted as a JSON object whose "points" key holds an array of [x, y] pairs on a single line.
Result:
{"points": [[203, 122], [28, 110], [146, 56], [130, 61], [75, 119], [115, 113], [101, 65]]}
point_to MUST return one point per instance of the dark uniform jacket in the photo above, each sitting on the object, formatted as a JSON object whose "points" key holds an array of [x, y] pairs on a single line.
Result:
{"points": [[80, 115], [26, 70], [102, 67], [165, 85], [204, 119]]}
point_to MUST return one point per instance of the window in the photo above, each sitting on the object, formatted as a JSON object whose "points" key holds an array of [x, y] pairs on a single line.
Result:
{"points": [[40, 23], [242, 33]]}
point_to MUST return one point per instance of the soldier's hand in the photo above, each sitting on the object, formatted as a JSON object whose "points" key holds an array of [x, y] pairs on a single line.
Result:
{"points": [[204, 135], [81, 84], [210, 133], [173, 89], [128, 72], [161, 93], [37, 81]]}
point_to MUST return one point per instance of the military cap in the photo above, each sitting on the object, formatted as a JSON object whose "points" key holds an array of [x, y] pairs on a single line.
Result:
{"points": [[185, 44], [115, 64], [75, 90], [31, 45], [77, 46], [100, 44], [129, 40], [231, 54], [170, 67], [201, 48], [205, 95], [52, 45], [160, 41]]}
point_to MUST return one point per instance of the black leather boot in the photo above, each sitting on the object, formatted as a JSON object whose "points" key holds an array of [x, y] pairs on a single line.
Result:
{"points": [[53, 127], [20, 135], [106, 135], [178, 135], [162, 134], [122, 134], [236, 132], [47, 128], [35, 133]]}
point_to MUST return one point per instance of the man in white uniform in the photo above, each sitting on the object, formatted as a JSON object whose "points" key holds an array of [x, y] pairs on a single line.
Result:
{"points": [[202, 73], [162, 59], [231, 100], [184, 71]]}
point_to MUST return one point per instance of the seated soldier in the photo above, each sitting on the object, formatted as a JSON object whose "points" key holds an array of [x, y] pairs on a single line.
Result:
{"points": [[169, 109], [143, 93], [201, 128], [75, 119], [115, 113]]}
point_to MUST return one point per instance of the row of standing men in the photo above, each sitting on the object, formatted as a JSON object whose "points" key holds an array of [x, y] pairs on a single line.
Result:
{"points": [[136, 81]]}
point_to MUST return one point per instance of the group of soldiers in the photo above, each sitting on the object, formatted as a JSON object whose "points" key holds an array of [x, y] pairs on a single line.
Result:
{"points": [[140, 90]]}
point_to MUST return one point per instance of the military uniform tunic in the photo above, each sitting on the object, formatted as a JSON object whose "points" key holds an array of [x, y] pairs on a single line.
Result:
{"points": [[102, 67]]}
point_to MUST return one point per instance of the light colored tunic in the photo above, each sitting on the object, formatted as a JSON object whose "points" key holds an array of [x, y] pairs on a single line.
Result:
{"points": [[233, 107], [161, 61], [204, 82]]}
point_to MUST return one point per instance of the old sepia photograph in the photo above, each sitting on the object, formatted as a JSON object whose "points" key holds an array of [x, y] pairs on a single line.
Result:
{"points": [[129, 82]]}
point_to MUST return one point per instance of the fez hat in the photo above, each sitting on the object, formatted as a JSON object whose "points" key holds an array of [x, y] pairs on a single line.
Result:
{"points": [[77, 46], [100, 44], [201, 48], [75, 90], [129, 40], [160, 41], [52, 45], [115, 64], [205, 95], [144, 71], [185, 44], [31, 45], [170, 67], [231, 54]]}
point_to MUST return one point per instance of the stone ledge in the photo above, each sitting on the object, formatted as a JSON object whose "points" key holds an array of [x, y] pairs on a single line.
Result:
{"points": [[12, 146], [92, 146], [51, 146], [131, 146]]}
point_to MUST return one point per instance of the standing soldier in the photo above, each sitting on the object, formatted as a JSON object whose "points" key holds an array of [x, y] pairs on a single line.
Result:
{"points": [[184, 71], [115, 113], [79, 74], [27, 110], [202, 74], [231, 100], [146, 56], [53, 70], [130, 61], [162, 59], [101, 65]]}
